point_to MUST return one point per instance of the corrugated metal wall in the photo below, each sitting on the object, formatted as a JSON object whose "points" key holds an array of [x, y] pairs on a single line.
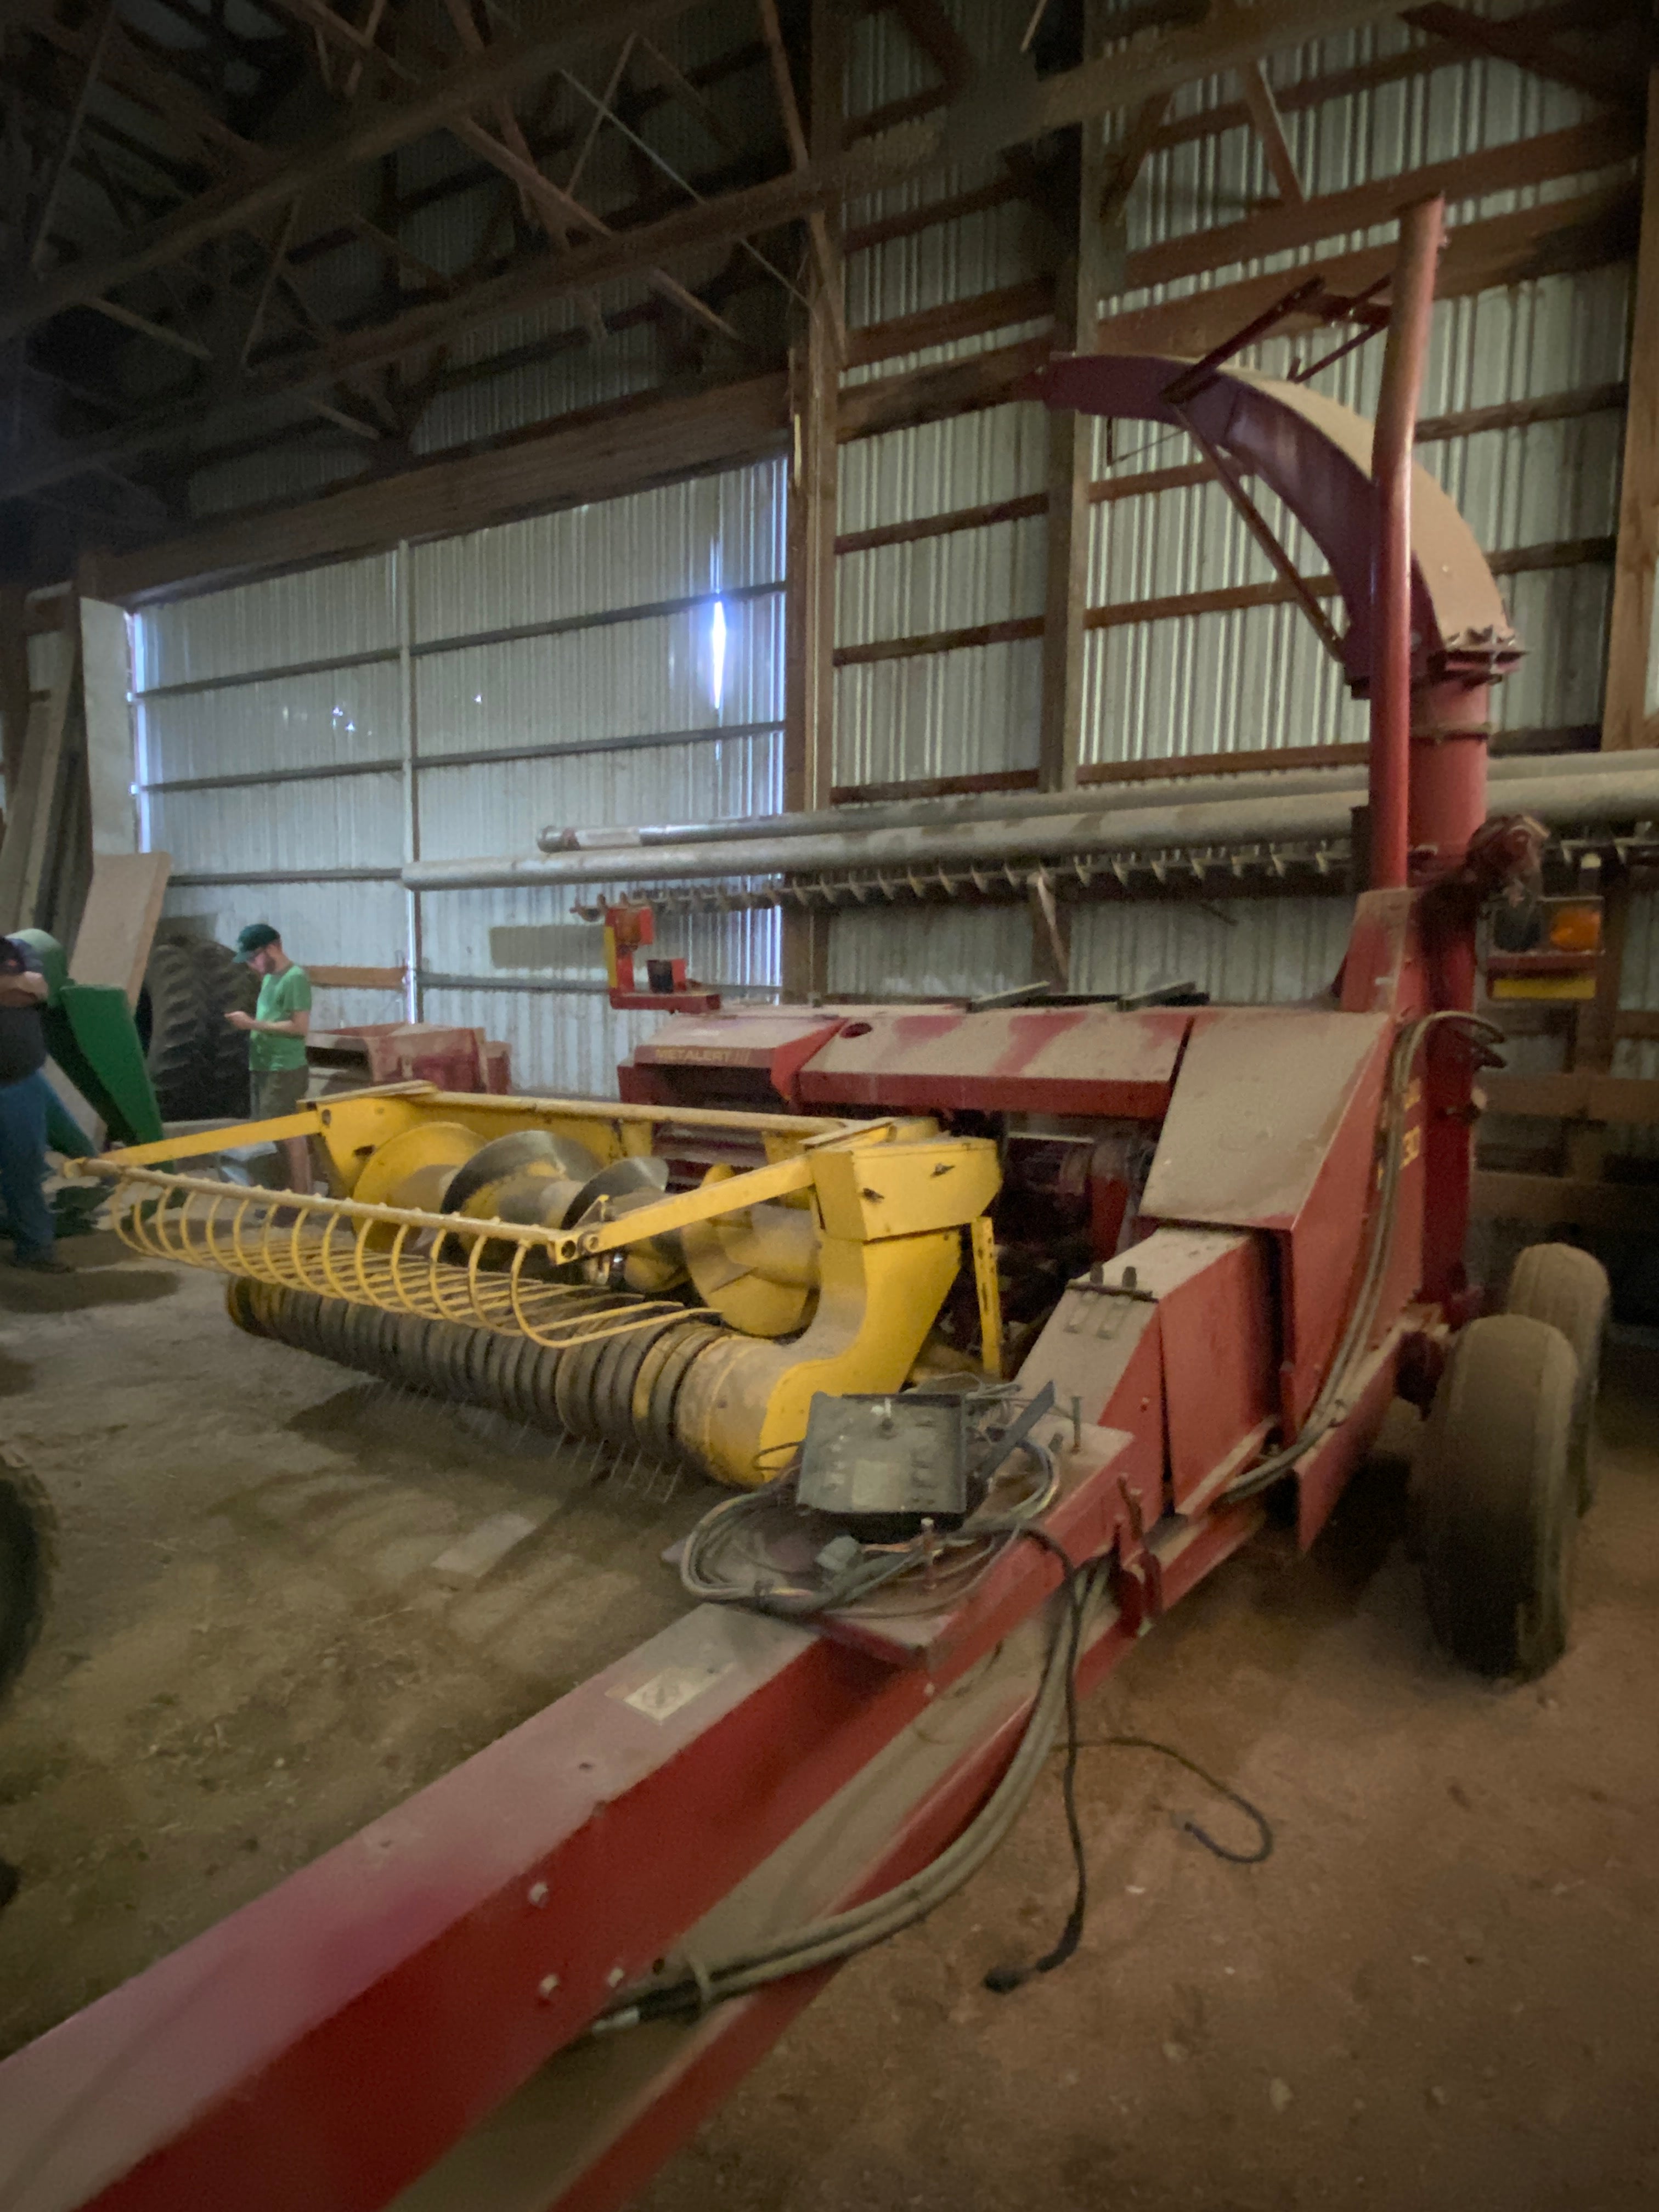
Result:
{"points": [[1199, 682], [587, 720], [616, 663]]}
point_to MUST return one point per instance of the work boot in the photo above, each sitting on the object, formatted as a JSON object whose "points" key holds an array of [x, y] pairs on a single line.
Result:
{"points": [[42, 1263]]}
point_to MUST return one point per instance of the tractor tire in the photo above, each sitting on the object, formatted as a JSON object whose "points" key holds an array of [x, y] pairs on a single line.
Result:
{"points": [[27, 1554], [197, 1062], [1499, 1506], [1558, 1283]]}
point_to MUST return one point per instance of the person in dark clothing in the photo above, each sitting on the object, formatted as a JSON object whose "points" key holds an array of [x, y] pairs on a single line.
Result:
{"points": [[23, 1108]]}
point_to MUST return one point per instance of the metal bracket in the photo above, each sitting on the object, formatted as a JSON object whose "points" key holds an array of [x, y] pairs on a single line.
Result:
{"points": [[1140, 1571]]}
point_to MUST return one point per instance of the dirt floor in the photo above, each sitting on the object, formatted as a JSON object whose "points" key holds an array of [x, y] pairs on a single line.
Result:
{"points": [[1442, 1991]]}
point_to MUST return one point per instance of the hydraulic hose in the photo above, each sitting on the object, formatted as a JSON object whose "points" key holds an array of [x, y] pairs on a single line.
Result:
{"points": [[839, 1935]]}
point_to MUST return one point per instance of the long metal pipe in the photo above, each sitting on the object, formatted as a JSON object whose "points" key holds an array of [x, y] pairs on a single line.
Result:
{"points": [[1569, 799], [1411, 300], [1019, 805]]}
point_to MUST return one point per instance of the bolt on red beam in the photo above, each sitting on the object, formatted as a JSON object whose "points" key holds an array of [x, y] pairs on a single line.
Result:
{"points": [[1422, 230]]}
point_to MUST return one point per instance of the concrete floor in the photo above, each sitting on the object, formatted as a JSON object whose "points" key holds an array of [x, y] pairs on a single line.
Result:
{"points": [[1439, 1992]]}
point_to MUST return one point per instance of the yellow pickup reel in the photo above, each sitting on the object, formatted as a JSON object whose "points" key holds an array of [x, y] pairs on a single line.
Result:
{"points": [[527, 1254]]}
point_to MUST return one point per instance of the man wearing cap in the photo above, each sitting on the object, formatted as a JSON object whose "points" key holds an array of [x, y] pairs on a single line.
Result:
{"points": [[277, 1038], [23, 1099]]}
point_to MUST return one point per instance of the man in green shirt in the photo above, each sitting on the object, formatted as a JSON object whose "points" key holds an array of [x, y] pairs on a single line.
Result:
{"points": [[277, 1038]]}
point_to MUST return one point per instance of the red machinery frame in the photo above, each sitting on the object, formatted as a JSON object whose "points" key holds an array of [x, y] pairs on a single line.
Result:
{"points": [[323, 2048]]}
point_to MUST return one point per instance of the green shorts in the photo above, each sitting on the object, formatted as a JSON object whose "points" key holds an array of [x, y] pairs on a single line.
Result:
{"points": [[277, 1090]]}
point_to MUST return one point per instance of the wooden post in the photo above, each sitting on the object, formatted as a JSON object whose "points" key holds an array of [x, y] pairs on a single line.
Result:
{"points": [[106, 683], [1071, 441], [1630, 714], [13, 688], [810, 584]]}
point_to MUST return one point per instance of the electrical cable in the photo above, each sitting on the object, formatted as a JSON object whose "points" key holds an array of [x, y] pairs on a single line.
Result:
{"points": [[1001, 1981], [947, 1562], [1264, 1850], [839, 1936]]}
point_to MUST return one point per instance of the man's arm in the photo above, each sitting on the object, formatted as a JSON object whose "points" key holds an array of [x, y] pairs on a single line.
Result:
{"points": [[295, 1025], [24, 990]]}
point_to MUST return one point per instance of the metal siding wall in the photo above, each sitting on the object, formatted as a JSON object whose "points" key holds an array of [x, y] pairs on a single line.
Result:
{"points": [[467, 813], [1242, 951], [321, 614], [634, 677], [1173, 686], [288, 721], [948, 952], [952, 712], [626, 679], [1183, 685]]}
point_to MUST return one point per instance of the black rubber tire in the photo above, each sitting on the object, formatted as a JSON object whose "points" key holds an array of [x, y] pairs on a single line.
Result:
{"points": [[1499, 1508], [1566, 1287], [27, 1554], [197, 1062]]}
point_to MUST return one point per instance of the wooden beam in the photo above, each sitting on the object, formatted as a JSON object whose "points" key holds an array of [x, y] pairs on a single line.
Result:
{"points": [[1630, 713], [1231, 599], [557, 210], [130, 319], [1580, 1095], [1021, 108], [1181, 767], [826, 255], [1014, 630], [595, 454], [1123, 163], [938, 38], [928, 395], [1576, 151], [1029, 302], [1070, 439], [92, 64], [1022, 509], [332, 152], [1522, 42], [13, 686], [809, 713], [935, 787], [908, 222], [1416, 61], [356, 979], [1586, 232], [1560, 1202], [1270, 130], [1145, 484]]}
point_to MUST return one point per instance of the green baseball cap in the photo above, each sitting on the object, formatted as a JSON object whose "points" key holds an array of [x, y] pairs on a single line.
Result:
{"points": [[255, 937]]}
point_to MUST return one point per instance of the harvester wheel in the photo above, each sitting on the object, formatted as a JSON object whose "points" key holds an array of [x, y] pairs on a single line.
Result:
{"points": [[1558, 1283], [1499, 1506], [27, 1528], [197, 1062]]}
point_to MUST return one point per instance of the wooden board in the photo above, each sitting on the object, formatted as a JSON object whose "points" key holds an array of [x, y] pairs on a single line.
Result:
{"points": [[356, 979], [1551, 1202], [1580, 1095], [26, 854], [118, 925]]}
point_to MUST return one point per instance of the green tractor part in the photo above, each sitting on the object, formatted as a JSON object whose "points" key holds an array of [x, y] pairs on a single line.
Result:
{"points": [[91, 1034]]}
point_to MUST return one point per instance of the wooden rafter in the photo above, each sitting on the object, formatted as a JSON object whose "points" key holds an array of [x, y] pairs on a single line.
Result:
{"points": [[826, 260], [1522, 41], [1270, 130]]}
